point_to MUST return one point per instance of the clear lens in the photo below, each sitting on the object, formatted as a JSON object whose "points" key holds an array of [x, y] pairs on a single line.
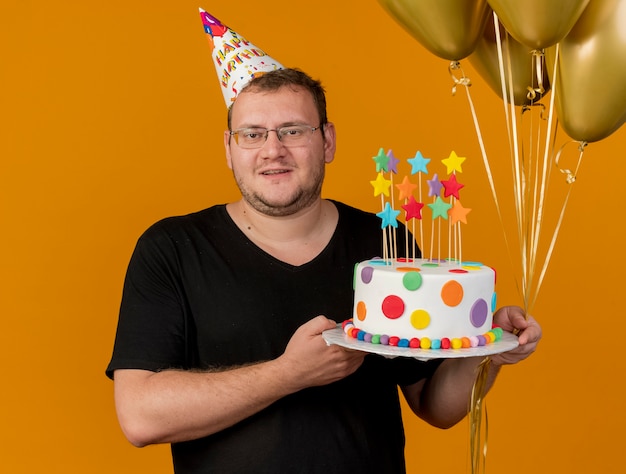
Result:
{"points": [[293, 135]]}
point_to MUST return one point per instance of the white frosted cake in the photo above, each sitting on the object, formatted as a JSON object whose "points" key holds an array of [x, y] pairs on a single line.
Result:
{"points": [[423, 303]]}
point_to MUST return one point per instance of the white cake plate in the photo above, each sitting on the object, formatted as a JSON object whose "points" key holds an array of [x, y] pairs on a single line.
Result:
{"points": [[336, 336]]}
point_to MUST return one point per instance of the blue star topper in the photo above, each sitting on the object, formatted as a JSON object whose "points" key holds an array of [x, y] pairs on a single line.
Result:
{"points": [[389, 216], [418, 163]]}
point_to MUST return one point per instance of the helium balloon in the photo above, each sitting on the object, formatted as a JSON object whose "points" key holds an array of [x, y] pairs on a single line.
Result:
{"points": [[538, 23], [590, 84], [528, 73], [449, 29]]}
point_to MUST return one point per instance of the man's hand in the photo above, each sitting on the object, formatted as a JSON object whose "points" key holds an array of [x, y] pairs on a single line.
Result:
{"points": [[513, 319], [310, 361]]}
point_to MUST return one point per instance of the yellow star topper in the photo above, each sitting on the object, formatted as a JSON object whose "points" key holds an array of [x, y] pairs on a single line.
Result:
{"points": [[453, 162], [381, 185]]}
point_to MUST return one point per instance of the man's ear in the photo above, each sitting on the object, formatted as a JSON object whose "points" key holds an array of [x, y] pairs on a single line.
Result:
{"points": [[227, 138], [330, 142]]}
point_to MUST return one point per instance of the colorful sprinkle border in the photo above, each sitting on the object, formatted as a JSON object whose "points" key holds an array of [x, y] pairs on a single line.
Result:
{"points": [[495, 334]]}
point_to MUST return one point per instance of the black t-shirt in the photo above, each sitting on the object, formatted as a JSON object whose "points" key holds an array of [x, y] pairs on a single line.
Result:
{"points": [[199, 294]]}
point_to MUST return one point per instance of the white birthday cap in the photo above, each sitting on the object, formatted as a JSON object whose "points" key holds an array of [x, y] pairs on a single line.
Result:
{"points": [[237, 61]]}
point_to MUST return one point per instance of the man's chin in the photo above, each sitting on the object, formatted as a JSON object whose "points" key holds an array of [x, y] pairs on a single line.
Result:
{"points": [[281, 207]]}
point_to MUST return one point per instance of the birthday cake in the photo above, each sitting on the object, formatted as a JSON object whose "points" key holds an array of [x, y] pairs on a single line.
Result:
{"points": [[422, 303]]}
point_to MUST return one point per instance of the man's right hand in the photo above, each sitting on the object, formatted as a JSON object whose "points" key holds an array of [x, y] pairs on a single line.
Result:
{"points": [[310, 361]]}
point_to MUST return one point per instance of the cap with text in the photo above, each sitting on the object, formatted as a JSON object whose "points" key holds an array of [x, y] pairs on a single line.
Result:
{"points": [[236, 60]]}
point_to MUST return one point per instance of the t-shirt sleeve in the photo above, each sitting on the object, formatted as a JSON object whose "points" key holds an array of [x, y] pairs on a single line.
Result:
{"points": [[151, 331]]}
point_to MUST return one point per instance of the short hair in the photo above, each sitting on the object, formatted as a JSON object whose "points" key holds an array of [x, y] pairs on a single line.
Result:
{"points": [[274, 80]]}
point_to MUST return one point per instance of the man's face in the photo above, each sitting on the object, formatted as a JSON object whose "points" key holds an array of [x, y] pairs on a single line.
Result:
{"points": [[274, 179]]}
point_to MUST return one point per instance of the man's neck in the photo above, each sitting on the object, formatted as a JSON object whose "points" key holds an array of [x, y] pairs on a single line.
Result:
{"points": [[294, 239]]}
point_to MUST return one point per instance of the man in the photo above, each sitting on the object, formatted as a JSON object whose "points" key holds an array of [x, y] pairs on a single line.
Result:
{"points": [[219, 348]]}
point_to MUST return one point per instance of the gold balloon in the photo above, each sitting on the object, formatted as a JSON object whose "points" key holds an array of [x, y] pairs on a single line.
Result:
{"points": [[590, 84], [449, 29], [538, 23], [528, 72]]}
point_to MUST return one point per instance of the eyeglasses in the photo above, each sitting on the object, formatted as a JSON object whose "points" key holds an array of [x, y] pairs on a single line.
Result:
{"points": [[290, 136]]}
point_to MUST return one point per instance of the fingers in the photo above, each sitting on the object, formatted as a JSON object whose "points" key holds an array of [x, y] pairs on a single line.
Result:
{"points": [[312, 361], [345, 362], [531, 334], [528, 330], [318, 325], [514, 319], [516, 355], [510, 318]]}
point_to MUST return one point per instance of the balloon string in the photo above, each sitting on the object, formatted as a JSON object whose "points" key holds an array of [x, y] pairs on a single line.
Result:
{"points": [[478, 411], [537, 62], [529, 226], [530, 183], [455, 65], [511, 126], [531, 233], [534, 199], [570, 179], [478, 390], [458, 81], [537, 224], [503, 82]]}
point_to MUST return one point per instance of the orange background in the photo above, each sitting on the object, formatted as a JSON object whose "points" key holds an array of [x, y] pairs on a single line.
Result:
{"points": [[112, 118]]}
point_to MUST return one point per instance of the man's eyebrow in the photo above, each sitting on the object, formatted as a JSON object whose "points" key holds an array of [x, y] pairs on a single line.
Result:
{"points": [[284, 124]]}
